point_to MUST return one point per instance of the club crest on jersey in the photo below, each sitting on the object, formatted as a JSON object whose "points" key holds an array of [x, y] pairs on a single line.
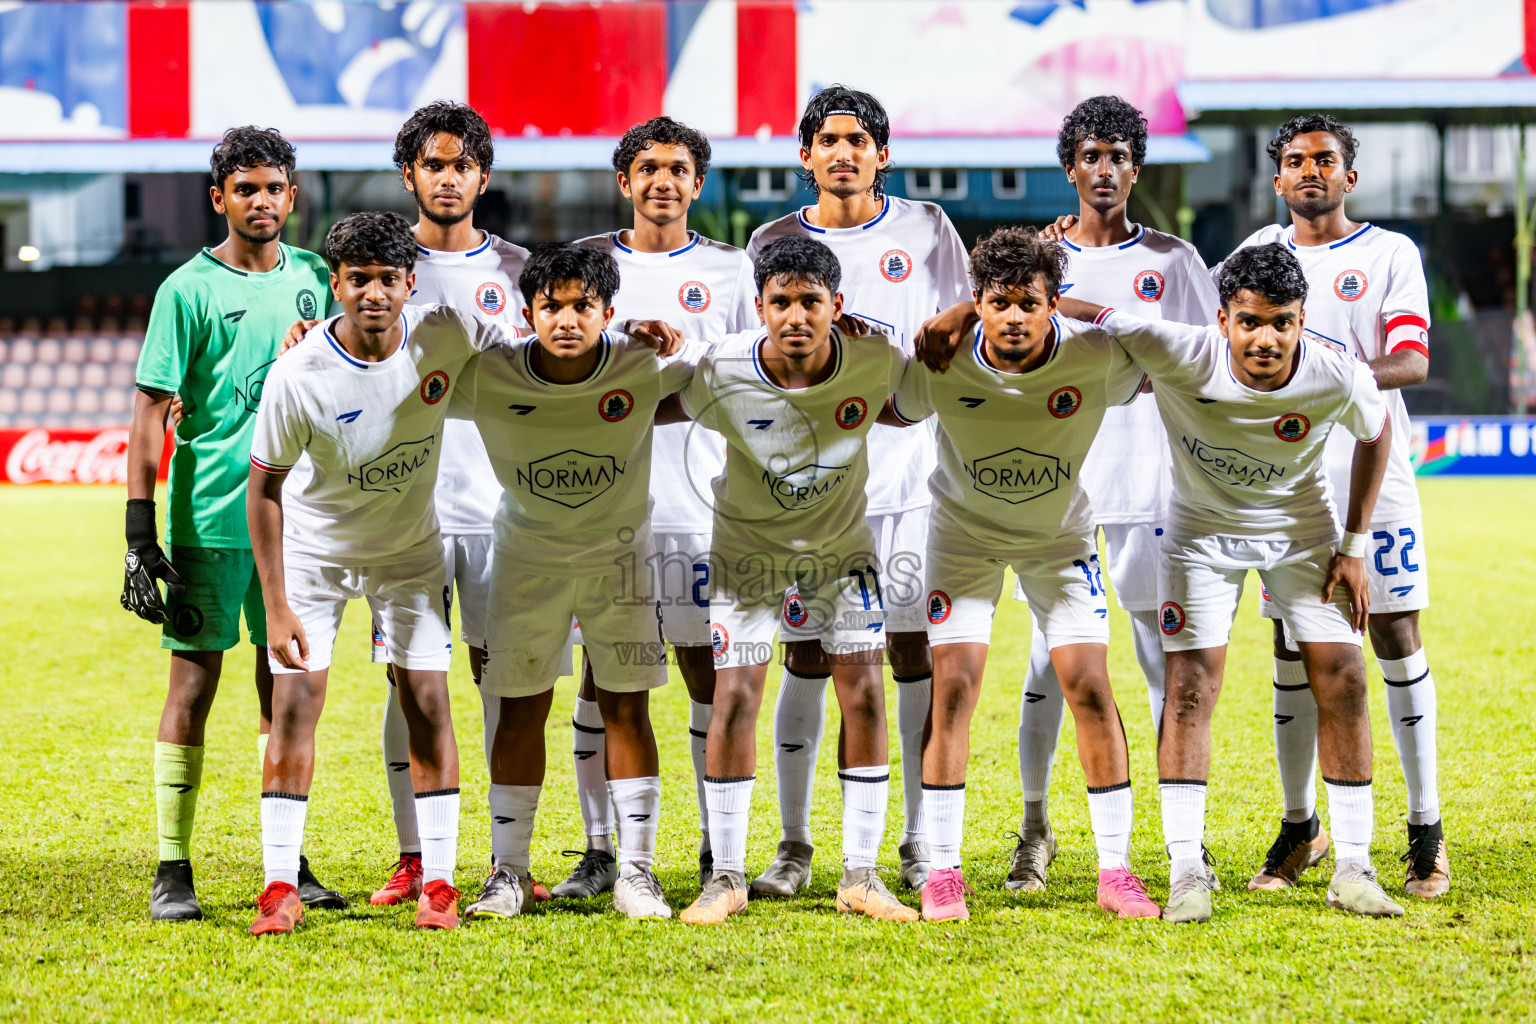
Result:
{"points": [[1064, 402], [939, 607], [1171, 619], [895, 266], [434, 386], [719, 639], [1350, 285], [1149, 286], [615, 405], [693, 296], [307, 305], [794, 611], [1293, 426], [851, 412], [491, 299]]}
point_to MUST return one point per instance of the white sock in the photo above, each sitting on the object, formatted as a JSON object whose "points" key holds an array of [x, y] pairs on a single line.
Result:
{"points": [[1109, 811], [1351, 819], [397, 772], [637, 805], [589, 753], [1183, 823], [945, 808], [698, 731], [282, 833], [513, 809], [1041, 710], [1147, 638], [729, 803], [1296, 739], [437, 816], [799, 716], [490, 714], [1411, 703], [914, 695], [865, 793]]}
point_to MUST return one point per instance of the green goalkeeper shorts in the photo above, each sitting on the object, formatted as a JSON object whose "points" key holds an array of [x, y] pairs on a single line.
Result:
{"points": [[220, 581]]}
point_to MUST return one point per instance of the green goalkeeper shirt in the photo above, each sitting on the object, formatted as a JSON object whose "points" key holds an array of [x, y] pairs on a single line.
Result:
{"points": [[213, 333]]}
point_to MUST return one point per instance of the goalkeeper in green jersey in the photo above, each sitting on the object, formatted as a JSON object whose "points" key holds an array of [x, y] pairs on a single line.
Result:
{"points": [[215, 329]]}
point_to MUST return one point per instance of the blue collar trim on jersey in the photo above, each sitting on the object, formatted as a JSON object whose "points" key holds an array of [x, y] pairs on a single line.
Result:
{"points": [[1141, 233], [405, 332], [476, 251], [986, 364], [1290, 236], [863, 227], [603, 355], [693, 240], [837, 360]]}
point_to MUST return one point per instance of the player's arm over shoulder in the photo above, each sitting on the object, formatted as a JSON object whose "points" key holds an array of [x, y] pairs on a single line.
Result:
{"points": [[1167, 351]]}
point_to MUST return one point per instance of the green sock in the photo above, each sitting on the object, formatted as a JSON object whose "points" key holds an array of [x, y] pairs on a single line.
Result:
{"points": [[178, 776]]}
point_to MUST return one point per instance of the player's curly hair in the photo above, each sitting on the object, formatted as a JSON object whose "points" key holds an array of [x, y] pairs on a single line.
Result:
{"points": [[371, 239], [549, 265], [1307, 123], [1106, 118], [839, 99], [1271, 270], [798, 258], [1012, 257], [460, 120], [662, 131], [250, 146]]}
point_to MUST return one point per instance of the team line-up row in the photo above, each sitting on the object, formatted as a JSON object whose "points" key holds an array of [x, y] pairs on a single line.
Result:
{"points": [[784, 426]]}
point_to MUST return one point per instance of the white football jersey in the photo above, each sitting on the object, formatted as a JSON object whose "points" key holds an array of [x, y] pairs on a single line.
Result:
{"points": [[899, 269], [795, 463], [482, 282], [574, 460], [1012, 445], [372, 432], [1366, 296], [1249, 463], [1154, 276], [705, 290]]}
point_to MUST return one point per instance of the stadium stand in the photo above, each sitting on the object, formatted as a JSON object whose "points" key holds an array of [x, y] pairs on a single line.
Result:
{"points": [[78, 377]]}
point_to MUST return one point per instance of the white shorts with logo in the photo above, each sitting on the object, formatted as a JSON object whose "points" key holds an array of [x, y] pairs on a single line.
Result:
{"points": [[1133, 554], [1060, 580], [409, 602], [528, 633], [1203, 582], [842, 607], [680, 572], [1395, 565], [901, 541]]}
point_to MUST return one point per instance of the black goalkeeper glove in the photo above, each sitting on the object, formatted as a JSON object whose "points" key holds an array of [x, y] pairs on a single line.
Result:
{"points": [[145, 563]]}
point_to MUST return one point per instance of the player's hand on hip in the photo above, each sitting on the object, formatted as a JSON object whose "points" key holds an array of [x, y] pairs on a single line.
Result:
{"points": [[1347, 572], [940, 337], [852, 325], [286, 640], [145, 563], [1056, 231], [178, 410], [296, 332], [658, 334]]}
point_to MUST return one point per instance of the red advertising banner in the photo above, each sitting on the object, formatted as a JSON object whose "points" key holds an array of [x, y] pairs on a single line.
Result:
{"points": [[69, 456]]}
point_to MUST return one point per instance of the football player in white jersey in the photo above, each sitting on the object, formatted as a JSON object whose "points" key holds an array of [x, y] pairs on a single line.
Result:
{"points": [[1248, 407], [444, 154], [1367, 298], [364, 398], [795, 401], [1017, 413], [1156, 276], [901, 261], [704, 288], [567, 417]]}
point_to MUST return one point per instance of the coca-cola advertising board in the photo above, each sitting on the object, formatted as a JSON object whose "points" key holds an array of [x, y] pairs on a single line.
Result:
{"points": [[42, 456]]}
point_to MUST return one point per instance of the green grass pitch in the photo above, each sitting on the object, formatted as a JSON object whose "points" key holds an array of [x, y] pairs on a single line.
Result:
{"points": [[82, 682]]}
